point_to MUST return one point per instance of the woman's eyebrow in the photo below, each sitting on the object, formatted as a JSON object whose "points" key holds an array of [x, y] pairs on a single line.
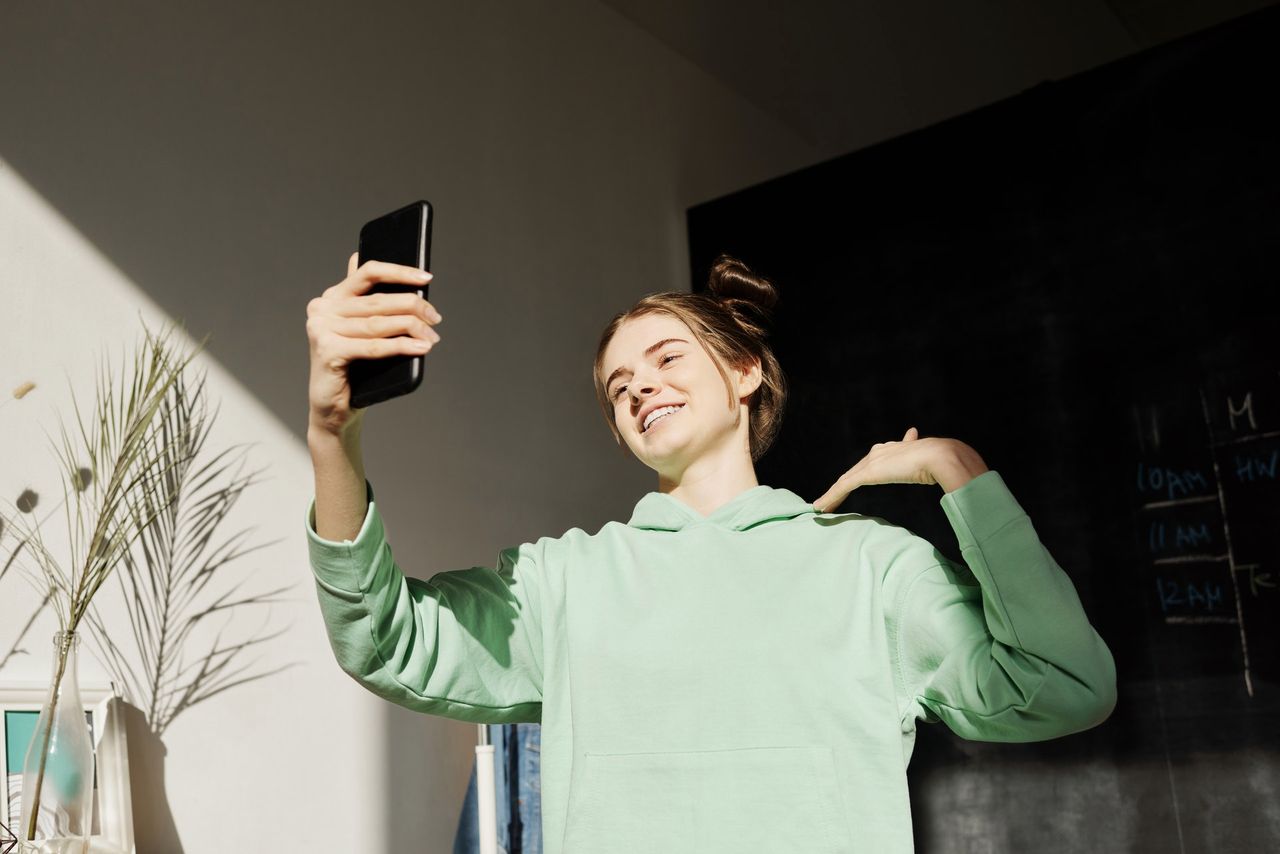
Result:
{"points": [[653, 348]]}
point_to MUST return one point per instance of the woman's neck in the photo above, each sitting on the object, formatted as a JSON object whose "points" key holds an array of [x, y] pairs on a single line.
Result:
{"points": [[707, 492]]}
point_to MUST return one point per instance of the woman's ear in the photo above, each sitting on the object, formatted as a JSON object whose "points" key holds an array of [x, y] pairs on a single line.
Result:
{"points": [[749, 379]]}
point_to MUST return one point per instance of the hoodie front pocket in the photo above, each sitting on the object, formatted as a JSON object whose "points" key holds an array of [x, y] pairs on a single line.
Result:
{"points": [[759, 799]]}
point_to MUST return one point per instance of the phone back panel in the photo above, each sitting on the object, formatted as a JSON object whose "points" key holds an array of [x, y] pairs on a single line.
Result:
{"points": [[400, 237]]}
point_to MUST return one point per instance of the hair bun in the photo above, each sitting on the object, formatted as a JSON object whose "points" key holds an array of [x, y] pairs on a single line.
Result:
{"points": [[734, 283]]}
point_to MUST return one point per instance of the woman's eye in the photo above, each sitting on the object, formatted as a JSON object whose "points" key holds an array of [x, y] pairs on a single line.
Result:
{"points": [[620, 389]]}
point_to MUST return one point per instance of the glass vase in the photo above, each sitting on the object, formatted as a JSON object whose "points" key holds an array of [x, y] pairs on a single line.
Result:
{"points": [[57, 775]]}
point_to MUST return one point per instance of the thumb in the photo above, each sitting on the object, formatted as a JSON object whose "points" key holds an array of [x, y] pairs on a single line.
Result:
{"points": [[353, 263]]}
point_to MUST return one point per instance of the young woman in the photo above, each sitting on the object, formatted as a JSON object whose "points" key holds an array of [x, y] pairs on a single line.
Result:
{"points": [[734, 669]]}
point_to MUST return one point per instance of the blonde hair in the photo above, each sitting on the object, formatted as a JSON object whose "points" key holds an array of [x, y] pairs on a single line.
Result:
{"points": [[732, 325]]}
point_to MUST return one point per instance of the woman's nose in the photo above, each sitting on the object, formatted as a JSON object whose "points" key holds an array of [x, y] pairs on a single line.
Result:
{"points": [[644, 389]]}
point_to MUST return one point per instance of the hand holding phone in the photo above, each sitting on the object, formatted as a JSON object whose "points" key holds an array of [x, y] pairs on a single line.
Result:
{"points": [[378, 314], [401, 237]]}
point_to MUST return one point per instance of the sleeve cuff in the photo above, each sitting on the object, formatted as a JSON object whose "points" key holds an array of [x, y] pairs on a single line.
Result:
{"points": [[340, 563], [981, 507]]}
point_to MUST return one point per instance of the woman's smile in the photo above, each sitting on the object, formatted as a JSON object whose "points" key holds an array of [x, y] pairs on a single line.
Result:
{"points": [[654, 424]]}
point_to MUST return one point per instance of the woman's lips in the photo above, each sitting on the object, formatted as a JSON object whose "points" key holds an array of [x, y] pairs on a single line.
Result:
{"points": [[664, 418]]}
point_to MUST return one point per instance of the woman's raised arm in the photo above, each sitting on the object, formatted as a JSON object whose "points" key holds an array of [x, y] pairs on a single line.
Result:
{"points": [[1000, 649], [343, 324], [464, 644]]}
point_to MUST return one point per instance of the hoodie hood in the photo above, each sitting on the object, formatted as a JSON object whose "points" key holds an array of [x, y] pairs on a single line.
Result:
{"points": [[658, 511]]}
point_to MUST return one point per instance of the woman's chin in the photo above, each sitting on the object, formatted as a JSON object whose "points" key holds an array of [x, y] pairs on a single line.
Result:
{"points": [[667, 449], [666, 458]]}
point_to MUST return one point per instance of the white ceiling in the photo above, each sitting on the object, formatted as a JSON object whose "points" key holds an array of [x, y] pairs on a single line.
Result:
{"points": [[843, 74]]}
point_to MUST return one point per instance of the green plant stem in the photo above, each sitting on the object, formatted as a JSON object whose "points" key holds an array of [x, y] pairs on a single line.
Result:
{"points": [[153, 714], [47, 734]]}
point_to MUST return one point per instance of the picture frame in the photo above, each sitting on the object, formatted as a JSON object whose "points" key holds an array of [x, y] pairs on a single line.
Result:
{"points": [[20, 704]]}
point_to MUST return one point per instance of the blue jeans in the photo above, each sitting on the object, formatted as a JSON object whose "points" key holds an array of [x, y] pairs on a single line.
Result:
{"points": [[519, 745]]}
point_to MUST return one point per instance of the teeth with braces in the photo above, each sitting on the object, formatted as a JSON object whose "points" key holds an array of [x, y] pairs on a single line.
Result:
{"points": [[661, 413]]}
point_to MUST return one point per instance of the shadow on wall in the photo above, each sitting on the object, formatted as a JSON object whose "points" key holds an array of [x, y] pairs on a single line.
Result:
{"points": [[153, 827]]}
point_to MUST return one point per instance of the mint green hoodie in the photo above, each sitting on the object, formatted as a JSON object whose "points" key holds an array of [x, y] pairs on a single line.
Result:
{"points": [[748, 681]]}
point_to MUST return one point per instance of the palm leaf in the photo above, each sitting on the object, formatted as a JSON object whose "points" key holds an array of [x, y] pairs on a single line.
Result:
{"points": [[166, 578]]}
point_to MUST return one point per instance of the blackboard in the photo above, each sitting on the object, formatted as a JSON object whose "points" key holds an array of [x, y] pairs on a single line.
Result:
{"points": [[1080, 282]]}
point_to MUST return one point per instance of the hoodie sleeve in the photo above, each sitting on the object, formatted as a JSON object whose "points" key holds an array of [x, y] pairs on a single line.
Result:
{"points": [[1000, 650], [464, 644]]}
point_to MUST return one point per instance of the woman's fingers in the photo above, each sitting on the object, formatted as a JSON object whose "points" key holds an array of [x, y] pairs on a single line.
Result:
{"points": [[386, 304], [839, 491], [338, 340], [383, 326], [345, 349], [863, 473], [346, 312], [359, 280], [869, 469], [348, 298]]}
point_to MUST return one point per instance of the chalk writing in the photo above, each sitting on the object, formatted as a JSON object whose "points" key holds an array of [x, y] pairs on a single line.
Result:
{"points": [[1255, 467], [1189, 595], [1182, 538], [1246, 408], [1170, 482], [1259, 580], [1207, 485]]}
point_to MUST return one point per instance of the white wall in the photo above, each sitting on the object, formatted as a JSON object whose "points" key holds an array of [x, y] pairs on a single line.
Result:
{"points": [[213, 162], [262, 760]]}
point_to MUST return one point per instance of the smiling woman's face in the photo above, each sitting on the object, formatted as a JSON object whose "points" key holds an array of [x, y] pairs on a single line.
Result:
{"points": [[654, 361]]}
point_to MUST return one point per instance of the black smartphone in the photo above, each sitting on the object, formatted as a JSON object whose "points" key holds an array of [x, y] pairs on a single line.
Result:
{"points": [[400, 237]]}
